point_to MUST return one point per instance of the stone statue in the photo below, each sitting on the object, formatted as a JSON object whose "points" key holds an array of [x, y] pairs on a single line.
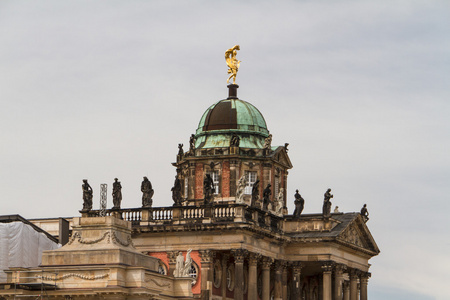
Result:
{"points": [[268, 142], [326, 209], [255, 193], [147, 193], [87, 195], [336, 209], [232, 62], [286, 147], [179, 266], [241, 189], [192, 144], [365, 213], [187, 264], [176, 192], [180, 150], [208, 189], [117, 193], [235, 140], [299, 204], [266, 196], [280, 202]]}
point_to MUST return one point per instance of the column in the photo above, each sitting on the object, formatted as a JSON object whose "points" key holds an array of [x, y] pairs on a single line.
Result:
{"points": [[239, 255], [207, 257], [284, 278], [297, 287], [253, 276], [225, 258], [353, 284], [346, 287], [266, 263], [278, 294], [338, 280], [364, 280], [326, 269]]}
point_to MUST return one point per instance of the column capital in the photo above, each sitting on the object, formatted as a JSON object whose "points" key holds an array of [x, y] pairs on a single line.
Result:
{"points": [[239, 255], [267, 262], [346, 285], [327, 266], [279, 264], [207, 256], [297, 266], [354, 273], [172, 255], [364, 276], [253, 258], [340, 268]]}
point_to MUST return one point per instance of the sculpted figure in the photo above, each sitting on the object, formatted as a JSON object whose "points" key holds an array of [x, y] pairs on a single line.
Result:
{"points": [[192, 144], [208, 189], [241, 189], [179, 266], [117, 193], [87, 195], [176, 192], [266, 196], [232, 62], [336, 209], [187, 264], [255, 193], [326, 209], [147, 193], [280, 202], [268, 142], [180, 149], [365, 213], [299, 204], [235, 140]]}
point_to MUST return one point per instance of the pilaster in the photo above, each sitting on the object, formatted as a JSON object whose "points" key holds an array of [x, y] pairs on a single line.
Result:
{"points": [[266, 263], [364, 281], [327, 267], [252, 276], [239, 256]]}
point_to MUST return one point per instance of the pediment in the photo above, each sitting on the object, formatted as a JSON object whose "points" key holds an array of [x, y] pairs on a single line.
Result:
{"points": [[280, 156], [358, 235]]}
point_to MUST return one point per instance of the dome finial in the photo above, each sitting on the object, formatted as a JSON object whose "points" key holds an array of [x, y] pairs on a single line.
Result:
{"points": [[232, 62], [232, 91]]}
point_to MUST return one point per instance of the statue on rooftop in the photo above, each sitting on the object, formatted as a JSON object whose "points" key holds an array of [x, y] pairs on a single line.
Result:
{"points": [[208, 189], [87, 195], [241, 189], [117, 193], [266, 196], [147, 193], [280, 202], [176, 192], [268, 142], [180, 149], [365, 213], [235, 140], [255, 193], [299, 204], [232, 62], [192, 144], [326, 209]]}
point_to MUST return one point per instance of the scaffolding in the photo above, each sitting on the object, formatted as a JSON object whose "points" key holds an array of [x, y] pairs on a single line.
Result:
{"points": [[38, 284]]}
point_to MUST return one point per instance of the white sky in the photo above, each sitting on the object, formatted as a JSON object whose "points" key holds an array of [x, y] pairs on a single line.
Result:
{"points": [[104, 89]]}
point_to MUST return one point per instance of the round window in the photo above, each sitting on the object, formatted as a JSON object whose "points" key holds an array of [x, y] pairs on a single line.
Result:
{"points": [[230, 278], [217, 274]]}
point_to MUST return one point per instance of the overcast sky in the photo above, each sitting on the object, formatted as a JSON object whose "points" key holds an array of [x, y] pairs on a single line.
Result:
{"points": [[359, 89]]}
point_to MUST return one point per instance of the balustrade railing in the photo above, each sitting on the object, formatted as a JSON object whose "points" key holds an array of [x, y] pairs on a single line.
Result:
{"points": [[224, 212], [192, 213], [162, 213]]}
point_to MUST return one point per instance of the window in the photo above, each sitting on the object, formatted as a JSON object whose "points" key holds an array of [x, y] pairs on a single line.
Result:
{"points": [[162, 269], [186, 187], [217, 274], [193, 273], [215, 179], [251, 179]]}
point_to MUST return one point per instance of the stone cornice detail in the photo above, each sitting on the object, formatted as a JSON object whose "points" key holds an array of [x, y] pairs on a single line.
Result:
{"points": [[78, 275]]}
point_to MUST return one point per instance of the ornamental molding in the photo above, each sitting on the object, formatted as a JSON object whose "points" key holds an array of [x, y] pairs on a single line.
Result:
{"points": [[116, 240], [78, 275], [164, 284], [107, 235]]}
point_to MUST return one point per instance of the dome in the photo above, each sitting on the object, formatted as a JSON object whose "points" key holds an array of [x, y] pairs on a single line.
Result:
{"points": [[231, 116]]}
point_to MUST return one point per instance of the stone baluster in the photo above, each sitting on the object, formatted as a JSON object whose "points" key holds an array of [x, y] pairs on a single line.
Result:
{"points": [[253, 276], [239, 256], [364, 280], [327, 268], [266, 263]]}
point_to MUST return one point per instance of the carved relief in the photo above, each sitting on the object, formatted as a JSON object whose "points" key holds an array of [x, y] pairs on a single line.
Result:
{"points": [[353, 236], [78, 275], [77, 237]]}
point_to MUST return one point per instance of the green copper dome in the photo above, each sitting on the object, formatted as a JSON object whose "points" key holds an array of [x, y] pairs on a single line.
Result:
{"points": [[231, 116]]}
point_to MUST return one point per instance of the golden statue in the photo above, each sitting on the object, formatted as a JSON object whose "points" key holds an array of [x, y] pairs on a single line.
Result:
{"points": [[232, 62]]}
